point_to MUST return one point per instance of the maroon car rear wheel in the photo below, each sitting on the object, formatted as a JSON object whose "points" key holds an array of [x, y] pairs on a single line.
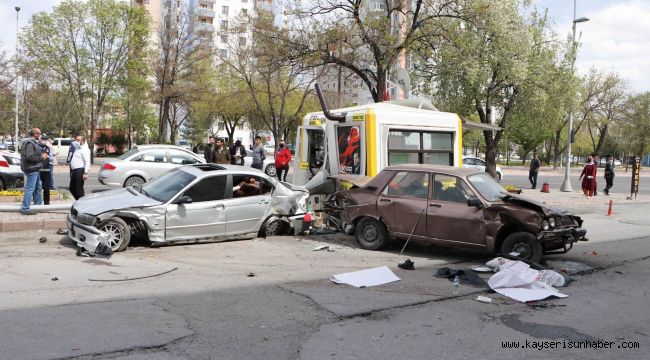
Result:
{"points": [[371, 234]]}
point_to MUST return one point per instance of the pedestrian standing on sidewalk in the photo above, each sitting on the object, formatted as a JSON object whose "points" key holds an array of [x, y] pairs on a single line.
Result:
{"points": [[45, 171], [221, 154], [259, 154], [208, 152], [534, 170], [31, 161], [588, 177], [79, 168], [282, 160], [609, 174], [594, 158], [237, 153], [53, 153]]}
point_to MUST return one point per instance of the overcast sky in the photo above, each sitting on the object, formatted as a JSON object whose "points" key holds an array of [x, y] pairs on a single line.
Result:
{"points": [[617, 37]]}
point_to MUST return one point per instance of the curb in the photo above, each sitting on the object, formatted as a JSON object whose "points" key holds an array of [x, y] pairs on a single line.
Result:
{"points": [[35, 224]]}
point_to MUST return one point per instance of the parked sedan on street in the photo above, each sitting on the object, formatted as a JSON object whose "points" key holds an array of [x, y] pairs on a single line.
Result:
{"points": [[11, 175], [454, 207], [203, 202], [144, 162], [471, 162]]}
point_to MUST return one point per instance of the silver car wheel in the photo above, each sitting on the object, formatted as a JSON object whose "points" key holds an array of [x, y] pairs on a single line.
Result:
{"points": [[115, 236], [134, 181], [119, 233], [270, 170]]}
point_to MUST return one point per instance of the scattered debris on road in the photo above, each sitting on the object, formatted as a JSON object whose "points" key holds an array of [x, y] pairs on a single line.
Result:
{"points": [[42, 240], [465, 277], [250, 274], [136, 278], [366, 278], [55, 279], [484, 299], [329, 248], [481, 269], [407, 265], [62, 232]]}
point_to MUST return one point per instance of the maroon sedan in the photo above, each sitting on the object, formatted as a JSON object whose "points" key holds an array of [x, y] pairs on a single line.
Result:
{"points": [[455, 207]]}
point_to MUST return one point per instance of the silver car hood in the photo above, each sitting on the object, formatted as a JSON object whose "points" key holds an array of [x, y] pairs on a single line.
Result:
{"points": [[101, 202]]}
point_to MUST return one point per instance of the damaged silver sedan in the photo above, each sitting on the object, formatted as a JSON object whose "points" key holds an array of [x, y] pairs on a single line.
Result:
{"points": [[193, 203]]}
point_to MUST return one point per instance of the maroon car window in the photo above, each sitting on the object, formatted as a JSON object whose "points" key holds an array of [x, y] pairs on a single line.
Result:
{"points": [[409, 184], [451, 189]]}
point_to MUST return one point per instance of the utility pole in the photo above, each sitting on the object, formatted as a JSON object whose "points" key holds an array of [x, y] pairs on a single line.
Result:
{"points": [[566, 185], [17, 83]]}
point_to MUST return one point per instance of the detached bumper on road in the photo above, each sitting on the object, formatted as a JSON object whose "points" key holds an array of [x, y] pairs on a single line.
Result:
{"points": [[87, 237]]}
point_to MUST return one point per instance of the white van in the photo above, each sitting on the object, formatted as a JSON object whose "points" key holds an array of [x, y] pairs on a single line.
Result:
{"points": [[61, 146]]}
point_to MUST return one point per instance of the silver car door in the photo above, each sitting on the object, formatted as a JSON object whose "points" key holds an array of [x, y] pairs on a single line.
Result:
{"points": [[247, 208], [205, 217]]}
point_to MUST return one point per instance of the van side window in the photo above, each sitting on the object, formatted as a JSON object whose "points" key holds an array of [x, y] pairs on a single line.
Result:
{"points": [[66, 142]]}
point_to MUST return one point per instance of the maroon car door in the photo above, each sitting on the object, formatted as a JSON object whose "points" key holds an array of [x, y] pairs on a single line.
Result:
{"points": [[403, 201], [449, 219]]}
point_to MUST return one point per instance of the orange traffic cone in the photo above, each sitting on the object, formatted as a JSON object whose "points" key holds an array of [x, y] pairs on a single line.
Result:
{"points": [[545, 187]]}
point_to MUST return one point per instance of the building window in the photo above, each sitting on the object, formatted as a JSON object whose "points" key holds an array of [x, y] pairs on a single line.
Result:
{"points": [[244, 1], [221, 125], [204, 21], [420, 147], [244, 11], [240, 126], [224, 38], [224, 10], [204, 6], [242, 41], [224, 25], [223, 52]]}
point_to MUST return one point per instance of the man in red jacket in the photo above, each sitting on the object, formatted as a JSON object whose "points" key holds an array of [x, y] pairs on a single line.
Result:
{"points": [[282, 159]]}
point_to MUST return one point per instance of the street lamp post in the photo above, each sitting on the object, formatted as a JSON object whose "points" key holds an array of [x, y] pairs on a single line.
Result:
{"points": [[566, 185], [17, 83]]}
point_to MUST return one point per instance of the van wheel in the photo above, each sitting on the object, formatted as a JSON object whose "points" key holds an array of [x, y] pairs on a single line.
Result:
{"points": [[134, 181], [371, 234], [119, 233], [525, 244]]}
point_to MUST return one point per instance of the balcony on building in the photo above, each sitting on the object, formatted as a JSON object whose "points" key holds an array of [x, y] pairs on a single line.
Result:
{"points": [[202, 12], [210, 3], [204, 27]]}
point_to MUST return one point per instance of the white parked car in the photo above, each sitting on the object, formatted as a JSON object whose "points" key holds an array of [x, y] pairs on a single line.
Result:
{"points": [[144, 162], [471, 162], [11, 175]]}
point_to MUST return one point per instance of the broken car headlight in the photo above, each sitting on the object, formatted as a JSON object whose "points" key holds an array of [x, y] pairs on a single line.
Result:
{"points": [[545, 225], [86, 219]]}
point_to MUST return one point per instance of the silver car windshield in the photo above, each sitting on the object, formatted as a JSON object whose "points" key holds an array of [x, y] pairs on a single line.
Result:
{"points": [[167, 185], [487, 187]]}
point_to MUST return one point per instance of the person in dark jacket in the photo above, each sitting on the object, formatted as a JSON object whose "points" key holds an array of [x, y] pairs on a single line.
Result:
{"points": [[237, 153], [609, 174], [221, 154], [45, 170], [31, 162], [534, 170], [208, 152]]}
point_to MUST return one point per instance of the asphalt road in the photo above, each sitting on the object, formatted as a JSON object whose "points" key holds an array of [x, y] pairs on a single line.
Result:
{"points": [[272, 299]]}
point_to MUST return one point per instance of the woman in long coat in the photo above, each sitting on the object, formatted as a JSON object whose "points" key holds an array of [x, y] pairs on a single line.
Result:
{"points": [[588, 177]]}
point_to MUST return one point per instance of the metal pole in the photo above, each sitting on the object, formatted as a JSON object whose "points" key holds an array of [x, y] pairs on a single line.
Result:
{"points": [[17, 84], [566, 185]]}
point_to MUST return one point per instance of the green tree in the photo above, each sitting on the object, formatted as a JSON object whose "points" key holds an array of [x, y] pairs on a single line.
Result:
{"points": [[636, 124], [84, 47]]}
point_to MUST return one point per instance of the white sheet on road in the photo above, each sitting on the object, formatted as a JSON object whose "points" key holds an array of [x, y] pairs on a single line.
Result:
{"points": [[365, 278], [518, 281]]}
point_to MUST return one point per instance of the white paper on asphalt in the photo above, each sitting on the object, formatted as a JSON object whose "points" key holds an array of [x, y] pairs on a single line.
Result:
{"points": [[518, 281], [365, 278]]}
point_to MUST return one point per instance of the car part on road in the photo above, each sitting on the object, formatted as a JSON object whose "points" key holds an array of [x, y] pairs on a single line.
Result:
{"points": [[119, 233], [136, 278], [371, 234], [407, 265]]}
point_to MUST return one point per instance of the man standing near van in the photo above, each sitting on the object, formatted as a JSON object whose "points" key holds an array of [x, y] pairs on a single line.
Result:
{"points": [[79, 168], [31, 163], [534, 170], [208, 152], [259, 154]]}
